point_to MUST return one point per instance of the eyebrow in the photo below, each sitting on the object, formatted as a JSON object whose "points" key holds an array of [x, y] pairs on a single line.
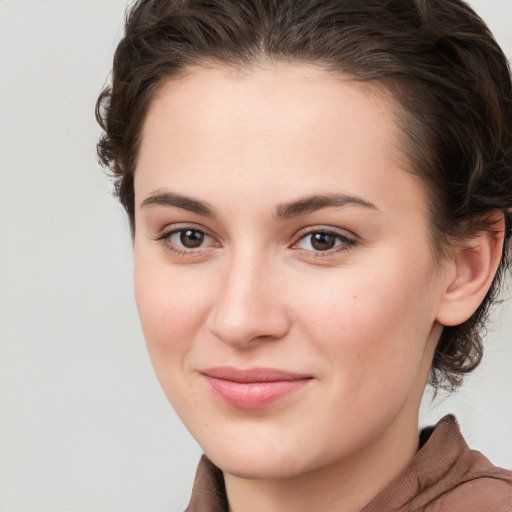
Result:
{"points": [[302, 206], [171, 199], [316, 202]]}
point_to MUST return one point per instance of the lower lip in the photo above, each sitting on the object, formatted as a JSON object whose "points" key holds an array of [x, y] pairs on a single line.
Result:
{"points": [[253, 395]]}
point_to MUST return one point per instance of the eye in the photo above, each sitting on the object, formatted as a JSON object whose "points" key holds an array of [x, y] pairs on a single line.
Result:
{"points": [[324, 241], [189, 238], [186, 240]]}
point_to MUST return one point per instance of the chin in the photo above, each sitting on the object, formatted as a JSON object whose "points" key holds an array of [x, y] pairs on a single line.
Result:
{"points": [[274, 457], [259, 465]]}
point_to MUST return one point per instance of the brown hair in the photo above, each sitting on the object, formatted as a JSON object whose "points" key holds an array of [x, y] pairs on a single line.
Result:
{"points": [[446, 73]]}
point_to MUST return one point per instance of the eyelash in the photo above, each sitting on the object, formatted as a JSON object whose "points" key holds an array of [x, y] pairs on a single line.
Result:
{"points": [[346, 242], [165, 239]]}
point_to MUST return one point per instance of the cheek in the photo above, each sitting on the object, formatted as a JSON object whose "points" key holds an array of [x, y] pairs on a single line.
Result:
{"points": [[172, 308], [372, 325]]}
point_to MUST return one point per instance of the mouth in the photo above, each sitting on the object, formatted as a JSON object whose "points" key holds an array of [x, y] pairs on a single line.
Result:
{"points": [[253, 388]]}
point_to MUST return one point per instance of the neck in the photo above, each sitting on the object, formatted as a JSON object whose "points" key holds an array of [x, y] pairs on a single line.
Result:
{"points": [[345, 486]]}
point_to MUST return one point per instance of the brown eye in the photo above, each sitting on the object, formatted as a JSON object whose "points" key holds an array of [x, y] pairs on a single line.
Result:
{"points": [[191, 238], [187, 242], [323, 241]]}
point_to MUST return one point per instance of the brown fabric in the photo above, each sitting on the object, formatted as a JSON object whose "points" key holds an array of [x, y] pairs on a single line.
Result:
{"points": [[208, 493], [444, 476]]}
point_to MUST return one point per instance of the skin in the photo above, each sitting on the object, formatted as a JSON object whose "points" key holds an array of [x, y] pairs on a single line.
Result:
{"points": [[361, 319]]}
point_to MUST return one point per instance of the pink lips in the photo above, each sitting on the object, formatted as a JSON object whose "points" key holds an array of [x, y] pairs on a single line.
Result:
{"points": [[252, 388]]}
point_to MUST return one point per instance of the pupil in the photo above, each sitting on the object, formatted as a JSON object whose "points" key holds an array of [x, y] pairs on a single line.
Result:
{"points": [[323, 241], [191, 239]]}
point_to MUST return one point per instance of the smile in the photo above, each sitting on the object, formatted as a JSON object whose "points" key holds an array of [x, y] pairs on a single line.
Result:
{"points": [[253, 388]]}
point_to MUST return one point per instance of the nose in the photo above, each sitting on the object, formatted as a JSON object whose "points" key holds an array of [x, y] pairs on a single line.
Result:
{"points": [[250, 305]]}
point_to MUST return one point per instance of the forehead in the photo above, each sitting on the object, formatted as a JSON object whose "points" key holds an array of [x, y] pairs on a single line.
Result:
{"points": [[265, 98], [295, 127]]}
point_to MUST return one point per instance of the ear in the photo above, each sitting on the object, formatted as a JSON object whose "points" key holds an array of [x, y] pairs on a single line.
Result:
{"points": [[472, 267]]}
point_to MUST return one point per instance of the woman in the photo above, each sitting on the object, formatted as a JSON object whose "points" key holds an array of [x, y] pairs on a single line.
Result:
{"points": [[320, 198]]}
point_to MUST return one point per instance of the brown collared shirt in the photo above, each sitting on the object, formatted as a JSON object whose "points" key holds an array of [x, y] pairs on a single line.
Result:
{"points": [[443, 476]]}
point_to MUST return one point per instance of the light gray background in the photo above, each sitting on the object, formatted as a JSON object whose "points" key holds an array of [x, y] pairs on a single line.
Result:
{"points": [[84, 425]]}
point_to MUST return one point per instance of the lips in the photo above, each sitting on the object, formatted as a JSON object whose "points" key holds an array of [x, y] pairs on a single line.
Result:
{"points": [[253, 388]]}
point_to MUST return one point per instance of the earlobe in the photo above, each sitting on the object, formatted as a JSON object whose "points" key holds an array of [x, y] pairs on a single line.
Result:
{"points": [[473, 267]]}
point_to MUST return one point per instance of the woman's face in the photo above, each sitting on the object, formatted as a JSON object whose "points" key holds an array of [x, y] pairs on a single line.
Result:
{"points": [[283, 275]]}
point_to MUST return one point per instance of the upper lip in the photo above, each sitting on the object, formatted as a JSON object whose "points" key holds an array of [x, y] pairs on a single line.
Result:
{"points": [[252, 374]]}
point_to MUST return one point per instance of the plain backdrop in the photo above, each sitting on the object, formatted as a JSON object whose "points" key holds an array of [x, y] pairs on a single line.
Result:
{"points": [[84, 425]]}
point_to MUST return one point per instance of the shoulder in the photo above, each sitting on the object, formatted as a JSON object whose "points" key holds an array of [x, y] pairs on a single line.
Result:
{"points": [[445, 475], [486, 488], [469, 482]]}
